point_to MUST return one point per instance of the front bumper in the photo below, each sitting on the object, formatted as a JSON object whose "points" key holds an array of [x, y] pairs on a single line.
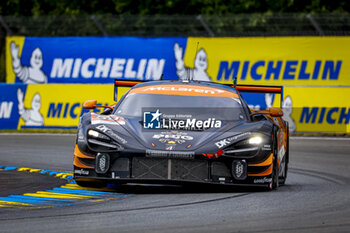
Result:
{"points": [[141, 169]]}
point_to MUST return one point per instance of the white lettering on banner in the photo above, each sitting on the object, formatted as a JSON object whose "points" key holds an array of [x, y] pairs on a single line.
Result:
{"points": [[5, 109], [117, 68], [85, 71], [107, 67], [102, 67], [77, 65], [155, 68], [61, 68], [142, 67], [129, 73]]}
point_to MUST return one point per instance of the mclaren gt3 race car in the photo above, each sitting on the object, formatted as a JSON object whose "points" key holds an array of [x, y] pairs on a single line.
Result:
{"points": [[177, 132]]}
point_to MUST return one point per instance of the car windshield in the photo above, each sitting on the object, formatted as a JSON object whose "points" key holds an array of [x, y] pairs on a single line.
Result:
{"points": [[228, 108]]}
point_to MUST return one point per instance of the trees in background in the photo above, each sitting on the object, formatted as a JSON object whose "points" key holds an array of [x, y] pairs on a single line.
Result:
{"points": [[168, 7]]}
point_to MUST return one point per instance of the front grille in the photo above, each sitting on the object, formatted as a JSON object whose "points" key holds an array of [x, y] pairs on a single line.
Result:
{"points": [[176, 169], [220, 169], [149, 168], [189, 170]]}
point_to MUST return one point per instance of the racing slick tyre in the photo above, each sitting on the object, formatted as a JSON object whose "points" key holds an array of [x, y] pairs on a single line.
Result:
{"points": [[88, 184], [284, 165], [275, 171], [275, 176]]}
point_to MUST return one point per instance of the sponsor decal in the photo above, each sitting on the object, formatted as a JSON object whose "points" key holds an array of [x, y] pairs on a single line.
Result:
{"points": [[111, 133], [266, 147], [173, 136], [227, 141], [169, 154], [82, 172], [263, 180], [169, 88], [106, 119], [170, 148], [182, 89]]}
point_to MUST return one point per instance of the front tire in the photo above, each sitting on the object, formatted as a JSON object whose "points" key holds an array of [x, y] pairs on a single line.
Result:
{"points": [[283, 177], [275, 171]]}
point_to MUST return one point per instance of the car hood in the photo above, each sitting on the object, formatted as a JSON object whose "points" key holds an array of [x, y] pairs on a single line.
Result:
{"points": [[181, 140]]}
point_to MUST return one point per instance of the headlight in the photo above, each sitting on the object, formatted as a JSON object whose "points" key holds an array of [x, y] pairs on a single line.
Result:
{"points": [[95, 134], [98, 141], [256, 140]]}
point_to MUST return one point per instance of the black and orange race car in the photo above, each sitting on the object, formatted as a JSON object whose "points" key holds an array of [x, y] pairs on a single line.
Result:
{"points": [[178, 132]]}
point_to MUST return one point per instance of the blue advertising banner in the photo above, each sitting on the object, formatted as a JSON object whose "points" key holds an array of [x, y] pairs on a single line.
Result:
{"points": [[11, 105], [90, 59]]}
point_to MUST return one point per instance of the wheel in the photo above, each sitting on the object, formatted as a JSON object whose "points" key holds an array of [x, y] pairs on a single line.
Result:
{"points": [[275, 171], [88, 184], [284, 165]]}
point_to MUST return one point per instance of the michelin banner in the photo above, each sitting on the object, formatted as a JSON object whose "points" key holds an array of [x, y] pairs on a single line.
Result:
{"points": [[274, 60], [56, 106], [308, 109], [40, 60], [314, 71]]}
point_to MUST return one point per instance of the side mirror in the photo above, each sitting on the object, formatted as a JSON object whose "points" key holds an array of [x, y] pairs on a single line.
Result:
{"points": [[275, 112], [90, 104]]}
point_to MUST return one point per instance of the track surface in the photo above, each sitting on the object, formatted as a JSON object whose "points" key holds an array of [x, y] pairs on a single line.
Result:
{"points": [[315, 199]]}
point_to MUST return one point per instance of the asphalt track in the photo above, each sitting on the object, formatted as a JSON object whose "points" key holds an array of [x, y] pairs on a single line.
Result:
{"points": [[315, 199]]}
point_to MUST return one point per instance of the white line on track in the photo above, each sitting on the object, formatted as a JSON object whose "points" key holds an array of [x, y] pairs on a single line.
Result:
{"points": [[319, 138]]}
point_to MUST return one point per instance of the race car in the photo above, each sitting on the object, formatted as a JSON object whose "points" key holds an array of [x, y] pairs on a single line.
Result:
{"points": [[182, 132]]}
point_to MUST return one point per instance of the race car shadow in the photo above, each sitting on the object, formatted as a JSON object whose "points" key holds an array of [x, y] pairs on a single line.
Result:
{"points": [[189, 188]]}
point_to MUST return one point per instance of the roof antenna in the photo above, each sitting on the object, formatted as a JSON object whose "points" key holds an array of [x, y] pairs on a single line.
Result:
{"points": [[235, 82]]}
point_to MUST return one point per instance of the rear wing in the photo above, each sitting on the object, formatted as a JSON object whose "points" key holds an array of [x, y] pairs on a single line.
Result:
{"points": [[122, 86], [261, 89]]}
